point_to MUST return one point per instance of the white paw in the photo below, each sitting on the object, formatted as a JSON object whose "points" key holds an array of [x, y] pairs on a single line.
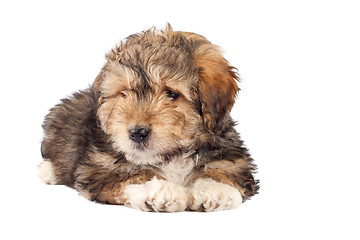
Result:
{"points": [[45, 172], [210, 195], [156, 195]]}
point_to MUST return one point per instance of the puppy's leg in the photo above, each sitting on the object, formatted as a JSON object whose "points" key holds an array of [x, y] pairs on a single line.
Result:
{"points": [[222, 185], [156, 195], [141, 189], [46, 172], [207, 194]]}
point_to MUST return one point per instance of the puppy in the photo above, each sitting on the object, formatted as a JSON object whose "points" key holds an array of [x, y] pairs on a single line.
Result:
{"points": [[153, 132]]}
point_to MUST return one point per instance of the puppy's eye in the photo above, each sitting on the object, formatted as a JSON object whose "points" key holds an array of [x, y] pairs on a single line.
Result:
{"points": [[171, 94], [121, 93]]}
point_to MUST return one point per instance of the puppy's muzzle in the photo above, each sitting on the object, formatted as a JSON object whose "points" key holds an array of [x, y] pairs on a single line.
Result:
{"points": [[139, 134]]}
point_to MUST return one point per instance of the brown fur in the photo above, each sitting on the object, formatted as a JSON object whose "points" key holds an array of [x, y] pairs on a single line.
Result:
{"points": [[176, 84]]}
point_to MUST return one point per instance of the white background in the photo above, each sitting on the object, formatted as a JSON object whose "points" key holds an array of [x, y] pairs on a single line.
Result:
{"points": [[298, 113]]}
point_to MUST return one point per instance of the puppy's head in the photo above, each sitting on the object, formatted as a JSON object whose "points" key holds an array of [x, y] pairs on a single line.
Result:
{"points": [[161, 92]]}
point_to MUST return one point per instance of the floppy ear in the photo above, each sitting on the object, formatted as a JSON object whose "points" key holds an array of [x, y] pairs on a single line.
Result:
{"points": [[217, 90], [110, 57], [217, 86], [96, 86], [96, 89]]}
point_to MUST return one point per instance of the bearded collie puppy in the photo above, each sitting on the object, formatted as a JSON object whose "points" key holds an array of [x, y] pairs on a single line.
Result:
{"points": [[153, 132]]}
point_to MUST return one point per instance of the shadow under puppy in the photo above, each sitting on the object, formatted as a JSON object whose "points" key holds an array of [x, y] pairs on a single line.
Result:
{"points": [[153, 132]]}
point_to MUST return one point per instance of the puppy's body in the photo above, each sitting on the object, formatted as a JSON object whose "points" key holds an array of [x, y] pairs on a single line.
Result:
{"points": [[154, 130]]}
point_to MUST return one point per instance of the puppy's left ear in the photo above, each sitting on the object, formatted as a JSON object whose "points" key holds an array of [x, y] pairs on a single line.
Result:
{"points": [[110, 57], [217, 86]]}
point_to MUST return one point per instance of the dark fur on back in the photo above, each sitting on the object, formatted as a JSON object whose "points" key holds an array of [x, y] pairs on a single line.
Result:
{"points": [[70, 129]]}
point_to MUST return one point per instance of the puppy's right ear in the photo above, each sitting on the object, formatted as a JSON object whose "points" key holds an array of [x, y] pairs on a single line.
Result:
{"points": [[217, 81], [217, 88]]}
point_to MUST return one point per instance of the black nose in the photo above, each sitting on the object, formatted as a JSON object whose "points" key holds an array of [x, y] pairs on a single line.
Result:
{"points": [[139, 134]]}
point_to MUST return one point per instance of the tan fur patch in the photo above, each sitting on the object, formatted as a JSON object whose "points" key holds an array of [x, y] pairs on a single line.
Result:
{"points": [[114, 193], [224, 171]]}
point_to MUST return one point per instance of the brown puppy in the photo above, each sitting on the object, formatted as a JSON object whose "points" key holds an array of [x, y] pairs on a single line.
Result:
{"points": [[153, 132]]}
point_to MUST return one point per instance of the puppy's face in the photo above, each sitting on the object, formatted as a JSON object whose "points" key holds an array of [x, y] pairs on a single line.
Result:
{"points": [[148, 116], [156, 100]]}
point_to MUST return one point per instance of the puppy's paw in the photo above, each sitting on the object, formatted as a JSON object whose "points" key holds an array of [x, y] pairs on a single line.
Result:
{"points": [[46, 173], [156, 195], [210, 195]]}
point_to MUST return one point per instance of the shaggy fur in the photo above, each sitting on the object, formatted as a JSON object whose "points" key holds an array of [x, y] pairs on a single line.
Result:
{"points": [[153, 132]]}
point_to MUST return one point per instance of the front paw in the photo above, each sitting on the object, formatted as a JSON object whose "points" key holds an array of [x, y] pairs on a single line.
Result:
{"points": [[156, 195], [210, 195]]}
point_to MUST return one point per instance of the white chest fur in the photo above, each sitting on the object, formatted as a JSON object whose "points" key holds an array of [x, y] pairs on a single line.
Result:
{"points": [[178, 170]]}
